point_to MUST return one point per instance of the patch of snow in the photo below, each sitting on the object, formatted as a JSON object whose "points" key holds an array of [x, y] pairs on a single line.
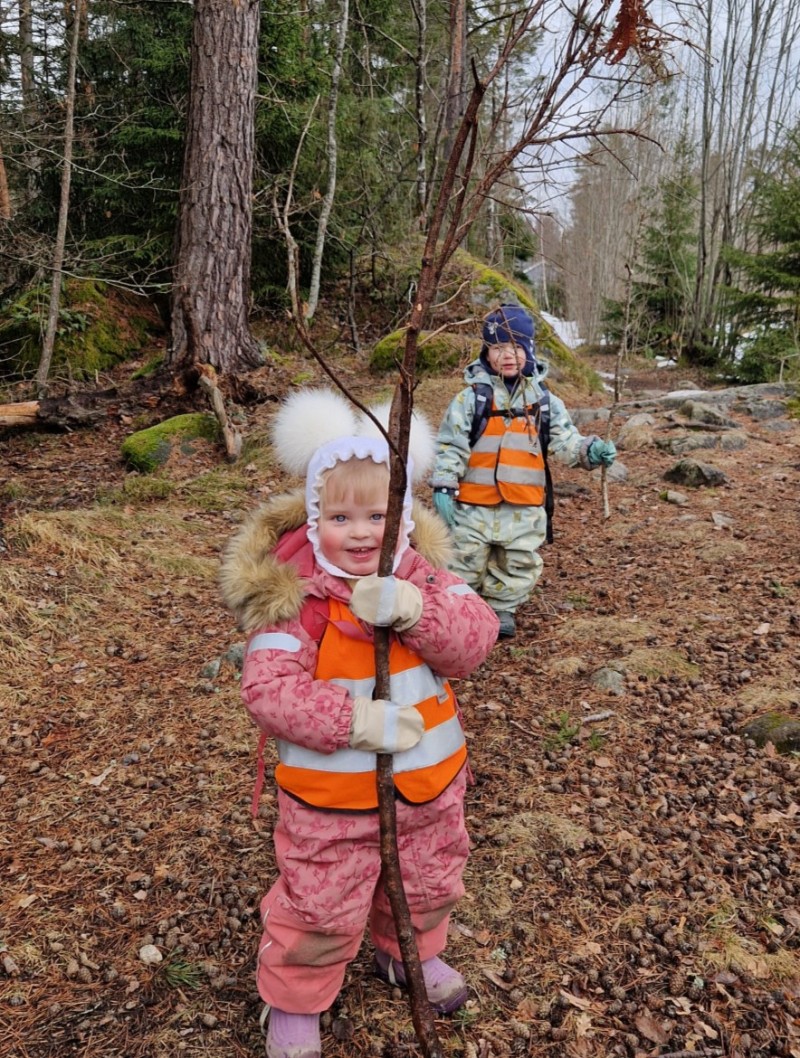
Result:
{"points": [[567, 330], [665, 361]]}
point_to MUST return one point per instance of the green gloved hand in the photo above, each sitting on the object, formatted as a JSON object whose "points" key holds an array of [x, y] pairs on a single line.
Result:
{"points": [[445, 504], [601, 453]]}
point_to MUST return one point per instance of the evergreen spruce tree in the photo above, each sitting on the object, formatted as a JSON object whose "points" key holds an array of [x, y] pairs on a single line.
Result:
{"points": [[135, 69], [767, 300]]}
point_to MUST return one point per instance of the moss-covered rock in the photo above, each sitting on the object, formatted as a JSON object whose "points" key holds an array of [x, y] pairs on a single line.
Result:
{"points": [[149, 449], [97, 328], [490, 287], [470, 287], [441, 353], [781, 730]]}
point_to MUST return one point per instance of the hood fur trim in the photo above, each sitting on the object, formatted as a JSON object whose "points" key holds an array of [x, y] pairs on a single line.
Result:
{"points": [[261, 590]]}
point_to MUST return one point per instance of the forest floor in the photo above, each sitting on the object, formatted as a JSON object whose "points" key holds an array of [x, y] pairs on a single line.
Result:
{"points": [[633, 887]]}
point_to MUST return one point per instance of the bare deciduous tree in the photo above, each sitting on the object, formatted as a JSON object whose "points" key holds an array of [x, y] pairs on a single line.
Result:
{"points": [[332, 159], [461, 195], [74, 36]]}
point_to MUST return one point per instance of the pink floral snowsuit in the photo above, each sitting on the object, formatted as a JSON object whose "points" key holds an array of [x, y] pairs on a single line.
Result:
{"points": [[329, 889]]}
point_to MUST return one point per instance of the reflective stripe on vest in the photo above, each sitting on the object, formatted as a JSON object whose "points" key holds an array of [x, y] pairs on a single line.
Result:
{"points": [[506, 464], [346, 779]]}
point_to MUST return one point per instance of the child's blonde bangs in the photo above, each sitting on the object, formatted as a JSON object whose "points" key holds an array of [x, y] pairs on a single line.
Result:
{"points": [[360, 481]]}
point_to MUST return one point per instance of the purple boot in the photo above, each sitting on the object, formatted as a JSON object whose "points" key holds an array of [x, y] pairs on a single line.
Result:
{"points": [[446, 988], [293, 1035]]}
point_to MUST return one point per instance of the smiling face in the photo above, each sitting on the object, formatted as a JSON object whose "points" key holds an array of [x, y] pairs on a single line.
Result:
{"points": [[352, 516], [506, 358]]}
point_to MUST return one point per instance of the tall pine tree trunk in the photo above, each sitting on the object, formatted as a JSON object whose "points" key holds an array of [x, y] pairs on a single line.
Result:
{"points": [[211, 278]]}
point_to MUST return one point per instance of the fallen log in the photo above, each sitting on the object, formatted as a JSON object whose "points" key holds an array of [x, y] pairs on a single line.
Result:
{"points": [[62, 413], [22, 414]]}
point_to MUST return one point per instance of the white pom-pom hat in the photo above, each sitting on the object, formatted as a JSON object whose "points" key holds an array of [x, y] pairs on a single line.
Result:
{"points": [[316, 429], [310, 418], [307, 420], [421, 442]]}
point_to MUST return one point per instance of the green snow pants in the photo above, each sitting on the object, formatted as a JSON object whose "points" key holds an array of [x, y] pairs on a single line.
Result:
{"points": [[496, 551]]}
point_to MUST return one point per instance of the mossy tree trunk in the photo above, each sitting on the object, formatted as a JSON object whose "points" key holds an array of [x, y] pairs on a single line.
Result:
{"points": [[211, 278]]}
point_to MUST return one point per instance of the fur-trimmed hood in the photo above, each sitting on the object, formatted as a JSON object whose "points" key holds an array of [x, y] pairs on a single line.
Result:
{"points": [[261, 589]]}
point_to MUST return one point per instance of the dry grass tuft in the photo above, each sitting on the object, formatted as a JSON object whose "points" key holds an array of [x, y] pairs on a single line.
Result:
{"points": [[722, 550], [531, 833], [85, 536], [776, 693], [728, 950], [607, 630], [654, 662], [574, 665]]}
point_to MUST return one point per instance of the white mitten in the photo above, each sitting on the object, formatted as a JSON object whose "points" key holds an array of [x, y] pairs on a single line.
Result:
{"points": [[379, 726], [387, 602]]}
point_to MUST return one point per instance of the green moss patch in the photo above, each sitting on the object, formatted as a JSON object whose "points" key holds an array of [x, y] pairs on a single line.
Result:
{"points": [[436, 354], [148, 449], [97, 328]]}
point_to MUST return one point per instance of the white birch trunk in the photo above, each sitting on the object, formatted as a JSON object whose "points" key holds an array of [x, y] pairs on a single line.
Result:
{"points": [[63, 208], [333, 151], [420, 8]]}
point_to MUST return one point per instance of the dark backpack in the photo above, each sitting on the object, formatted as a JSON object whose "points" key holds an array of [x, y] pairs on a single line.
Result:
{"points": [[484, 396]]}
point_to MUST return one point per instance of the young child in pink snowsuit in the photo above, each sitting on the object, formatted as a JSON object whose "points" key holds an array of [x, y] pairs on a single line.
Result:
{"points": [[301, 579]]}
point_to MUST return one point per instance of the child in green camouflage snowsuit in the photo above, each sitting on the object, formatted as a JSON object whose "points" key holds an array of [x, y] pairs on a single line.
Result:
{"points": [[492, 489]]}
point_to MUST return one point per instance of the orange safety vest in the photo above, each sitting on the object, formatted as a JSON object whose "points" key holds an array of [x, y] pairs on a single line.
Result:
{"points": [[506, 463], [347, 779]]}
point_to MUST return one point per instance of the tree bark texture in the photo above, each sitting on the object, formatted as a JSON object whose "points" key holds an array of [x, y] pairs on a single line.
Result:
{"points": [[211, 279], [420, 9], [5, 197], [457, 72]]}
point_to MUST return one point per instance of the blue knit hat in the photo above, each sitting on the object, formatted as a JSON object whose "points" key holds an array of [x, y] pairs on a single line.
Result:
{"points": [[511, 323]]}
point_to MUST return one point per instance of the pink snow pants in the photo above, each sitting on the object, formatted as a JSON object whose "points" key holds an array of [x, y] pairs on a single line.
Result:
{"points": [[329, 889]]}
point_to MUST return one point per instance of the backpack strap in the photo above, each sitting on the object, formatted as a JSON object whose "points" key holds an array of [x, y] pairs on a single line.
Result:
{"points": [[484, 395], [544, 441]]}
